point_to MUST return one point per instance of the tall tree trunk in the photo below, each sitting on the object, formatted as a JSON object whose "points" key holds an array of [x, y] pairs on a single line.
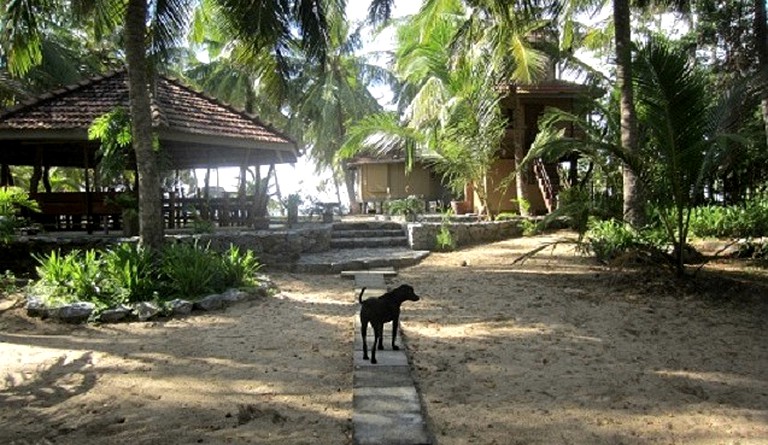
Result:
{"points": [[761, 45], [522, 176], [150, 197], [634, 211], [349, 183]]}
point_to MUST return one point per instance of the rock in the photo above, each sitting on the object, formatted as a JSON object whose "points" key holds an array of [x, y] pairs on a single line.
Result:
{"points": [[146, 310], [78, 312], [115, 314], [180, 307], [36, 307], [234, 295], [211, 303]]}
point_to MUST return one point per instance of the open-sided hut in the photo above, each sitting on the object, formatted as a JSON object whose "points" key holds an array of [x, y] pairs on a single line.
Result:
{"points": [[193, 130]]}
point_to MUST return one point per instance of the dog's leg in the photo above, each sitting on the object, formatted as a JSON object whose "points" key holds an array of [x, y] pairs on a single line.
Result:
{"points": [[378, 339], [395, 322], [364, 332]]}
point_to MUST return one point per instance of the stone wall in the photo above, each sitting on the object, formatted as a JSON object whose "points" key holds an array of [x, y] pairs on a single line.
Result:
{"points": [[270, 246], [423, 235]]}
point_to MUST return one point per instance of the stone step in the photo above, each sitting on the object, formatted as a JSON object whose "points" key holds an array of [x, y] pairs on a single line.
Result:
{"points": [[338, 260], [357, 233], [368, 225], [354, 243]]}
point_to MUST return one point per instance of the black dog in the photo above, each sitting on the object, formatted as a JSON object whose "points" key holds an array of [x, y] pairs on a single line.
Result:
{"points": [[378, 311]]}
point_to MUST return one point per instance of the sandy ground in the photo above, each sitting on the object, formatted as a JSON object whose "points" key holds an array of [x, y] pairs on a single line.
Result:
{"points": [[557, 350]]}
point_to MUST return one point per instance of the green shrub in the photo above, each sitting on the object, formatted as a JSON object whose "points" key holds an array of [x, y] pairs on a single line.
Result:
{"points": [[190, 269], [444, 240], [609, 239], [237, 268], [131, 271], [8, 283], [76, 276], [12, 200], [128, 273], [409, 207], [747, 220]]}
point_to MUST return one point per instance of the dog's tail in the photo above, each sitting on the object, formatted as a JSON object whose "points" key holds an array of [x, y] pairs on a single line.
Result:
{"points": [[360, 297]]}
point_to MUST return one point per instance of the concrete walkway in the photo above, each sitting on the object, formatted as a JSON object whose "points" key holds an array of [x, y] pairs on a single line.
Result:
{"points": [[338, 260], [386, 406]]}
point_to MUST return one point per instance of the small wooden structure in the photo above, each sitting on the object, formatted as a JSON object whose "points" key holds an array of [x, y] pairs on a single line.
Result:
{"points": [[381, 178], [523, 105], [194, 131], [384, 178]]}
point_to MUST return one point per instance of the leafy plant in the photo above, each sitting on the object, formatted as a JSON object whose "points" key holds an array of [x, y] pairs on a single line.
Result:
{"points": [[237, 268], [131, 272], [202, 225], [189, 269], [293, 200], [12, 200], [410, 207], [530, 227], [747, 220], [113, 131], [610, 239], [444, 238], [8, 282], [75, 276]]}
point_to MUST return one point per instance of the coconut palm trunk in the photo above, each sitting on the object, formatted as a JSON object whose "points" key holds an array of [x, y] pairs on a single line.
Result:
{"points": [[150, 197], [633, 201], [761, 45]]}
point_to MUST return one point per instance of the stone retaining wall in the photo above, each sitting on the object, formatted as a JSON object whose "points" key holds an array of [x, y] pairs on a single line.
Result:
{"points": [[423, 235], [270, 246]]}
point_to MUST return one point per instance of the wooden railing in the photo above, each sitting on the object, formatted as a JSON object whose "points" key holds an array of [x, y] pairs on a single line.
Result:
{"points": [[548, 189], [101, 211]]}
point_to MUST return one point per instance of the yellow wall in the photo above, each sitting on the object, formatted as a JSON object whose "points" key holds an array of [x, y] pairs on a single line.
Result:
{"points": [[378, 182], [504, 199]]}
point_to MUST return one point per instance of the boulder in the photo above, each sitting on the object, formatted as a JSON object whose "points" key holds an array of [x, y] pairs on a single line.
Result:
{"points": [[146, 310], [211, 302], [36, 307], [234, 295], [115, 314], [179, 307], [77, 312]]}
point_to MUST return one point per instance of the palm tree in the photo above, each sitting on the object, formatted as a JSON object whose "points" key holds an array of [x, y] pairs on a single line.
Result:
{"points": [[761, 46], [273, 24], [331, 97], [683, 129], [450, 61], [634, 208]]}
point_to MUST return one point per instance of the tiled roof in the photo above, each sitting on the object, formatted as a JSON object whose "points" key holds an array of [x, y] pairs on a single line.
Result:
{"points": [[175, 107], [554, 87]]}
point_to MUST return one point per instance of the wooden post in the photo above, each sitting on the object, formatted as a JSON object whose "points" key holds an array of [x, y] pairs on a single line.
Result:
{"points": [[88, 204]]}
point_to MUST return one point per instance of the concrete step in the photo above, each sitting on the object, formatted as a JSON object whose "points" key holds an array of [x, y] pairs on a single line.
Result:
{"points": [[357, 233], [354, 243], [338, 260], [368, 225]]}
